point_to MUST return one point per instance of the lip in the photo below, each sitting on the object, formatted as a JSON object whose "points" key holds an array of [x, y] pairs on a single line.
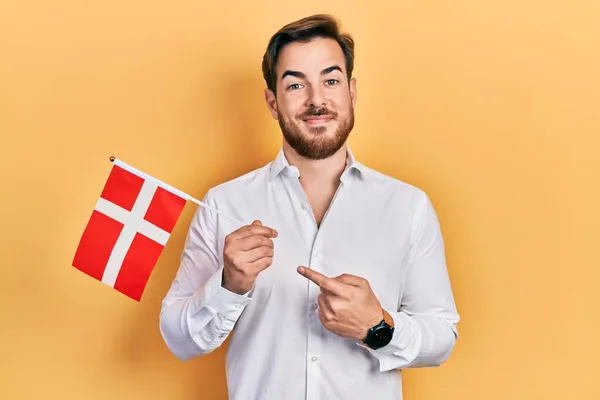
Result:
{"points": [[317, 120]]}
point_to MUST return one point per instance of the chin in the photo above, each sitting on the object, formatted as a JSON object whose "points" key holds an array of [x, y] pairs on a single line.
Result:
{"points": [[321, 129]]}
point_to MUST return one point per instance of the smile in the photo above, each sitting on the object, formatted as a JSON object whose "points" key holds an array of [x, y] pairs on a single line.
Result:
{"points": [[317, 120]]}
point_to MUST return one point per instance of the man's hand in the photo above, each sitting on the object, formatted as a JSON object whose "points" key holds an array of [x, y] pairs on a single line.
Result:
{"points": [[247, 252], [347, 305]]}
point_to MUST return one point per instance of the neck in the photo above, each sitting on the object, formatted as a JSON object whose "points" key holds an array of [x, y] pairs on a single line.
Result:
{"points": [[327, 170]]}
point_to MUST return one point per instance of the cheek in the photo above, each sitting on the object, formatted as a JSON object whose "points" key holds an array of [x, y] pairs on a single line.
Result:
{"points": [[290, 113], [342, 104], [293, 104]]}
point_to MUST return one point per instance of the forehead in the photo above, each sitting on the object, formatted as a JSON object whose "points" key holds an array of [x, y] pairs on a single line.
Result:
{"points": [[311, 57]]}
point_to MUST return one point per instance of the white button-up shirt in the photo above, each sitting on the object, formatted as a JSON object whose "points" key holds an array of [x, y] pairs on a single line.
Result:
{"points": [[377, 227]]}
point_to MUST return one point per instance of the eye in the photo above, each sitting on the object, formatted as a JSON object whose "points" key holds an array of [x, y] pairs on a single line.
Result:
{"points": [[294, 86], [331, 82]]}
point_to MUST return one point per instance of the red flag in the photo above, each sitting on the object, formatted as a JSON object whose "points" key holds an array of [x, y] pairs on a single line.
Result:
{"points": [[128, 230]]}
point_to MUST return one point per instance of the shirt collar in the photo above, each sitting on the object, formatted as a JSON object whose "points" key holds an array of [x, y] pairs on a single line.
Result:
{"points": [[281, 165]]}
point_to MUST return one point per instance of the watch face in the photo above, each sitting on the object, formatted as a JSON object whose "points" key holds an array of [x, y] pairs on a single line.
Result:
{"points": [[382, 337]]}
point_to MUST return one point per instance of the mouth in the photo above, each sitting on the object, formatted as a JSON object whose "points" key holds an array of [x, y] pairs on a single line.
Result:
{"points": [[320, 120]]}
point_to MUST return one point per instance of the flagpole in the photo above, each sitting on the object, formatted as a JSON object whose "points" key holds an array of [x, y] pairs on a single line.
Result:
{"points": [[190, 198], [193, 200]]}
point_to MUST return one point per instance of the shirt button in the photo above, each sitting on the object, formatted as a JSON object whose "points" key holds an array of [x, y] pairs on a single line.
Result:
{"points": [[314, 306], [314, 358]]}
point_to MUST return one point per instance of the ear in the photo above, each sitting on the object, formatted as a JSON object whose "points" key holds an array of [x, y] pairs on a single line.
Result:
{"points": [[353, 91], [271, 101]]}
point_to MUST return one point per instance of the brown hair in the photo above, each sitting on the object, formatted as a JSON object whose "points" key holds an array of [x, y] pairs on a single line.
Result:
{"points": [[304, 30]]}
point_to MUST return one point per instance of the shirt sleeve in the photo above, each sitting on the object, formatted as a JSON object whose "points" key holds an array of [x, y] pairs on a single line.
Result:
{"points": [[426, 319], [197, 313]]}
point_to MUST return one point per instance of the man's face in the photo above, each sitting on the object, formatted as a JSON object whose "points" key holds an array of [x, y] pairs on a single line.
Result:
{"points": [[315, 102]]}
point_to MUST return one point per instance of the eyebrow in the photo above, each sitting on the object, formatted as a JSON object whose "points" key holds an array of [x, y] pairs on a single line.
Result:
{"points": [[301, 75]]}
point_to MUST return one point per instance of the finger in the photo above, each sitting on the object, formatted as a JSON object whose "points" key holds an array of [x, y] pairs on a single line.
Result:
{"points": [[256, 228], [260, 264], [326, 292], [324, 310], [324, 282], [351, 280], [254, 241], [323, 302], [257, 253]]}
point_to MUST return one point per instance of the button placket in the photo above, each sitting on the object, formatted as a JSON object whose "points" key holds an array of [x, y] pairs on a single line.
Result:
{"points": [[315, 329], [314, 345]]}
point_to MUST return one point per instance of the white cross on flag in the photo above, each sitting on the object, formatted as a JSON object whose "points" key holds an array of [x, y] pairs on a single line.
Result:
{"points": [[128, 229]]}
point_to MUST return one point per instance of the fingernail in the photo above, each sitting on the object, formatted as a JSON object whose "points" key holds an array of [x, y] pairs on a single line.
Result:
{"points": [[301, 270]]}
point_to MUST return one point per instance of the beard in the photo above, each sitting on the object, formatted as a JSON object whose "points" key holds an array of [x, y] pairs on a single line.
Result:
{"points": [[317, 145]]}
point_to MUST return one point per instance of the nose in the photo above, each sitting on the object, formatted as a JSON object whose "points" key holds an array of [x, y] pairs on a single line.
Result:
{"points": [[316, 97]]}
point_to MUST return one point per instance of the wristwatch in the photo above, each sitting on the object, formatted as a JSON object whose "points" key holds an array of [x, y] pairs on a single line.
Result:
{"points": [[381, 334]]}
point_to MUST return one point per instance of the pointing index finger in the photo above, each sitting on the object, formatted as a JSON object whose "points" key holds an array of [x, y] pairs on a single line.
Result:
{"points": [[324, 282]]}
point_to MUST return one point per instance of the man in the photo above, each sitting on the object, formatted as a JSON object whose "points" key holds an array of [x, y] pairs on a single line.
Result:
{"points": [[341, 279]]}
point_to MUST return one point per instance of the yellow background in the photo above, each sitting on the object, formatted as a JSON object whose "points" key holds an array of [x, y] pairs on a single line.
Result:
{"points": [[492, 107]]}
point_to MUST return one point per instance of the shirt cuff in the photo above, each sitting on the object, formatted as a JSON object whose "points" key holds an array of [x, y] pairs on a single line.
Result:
{"points": [[403, 347], [224, 302]]}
